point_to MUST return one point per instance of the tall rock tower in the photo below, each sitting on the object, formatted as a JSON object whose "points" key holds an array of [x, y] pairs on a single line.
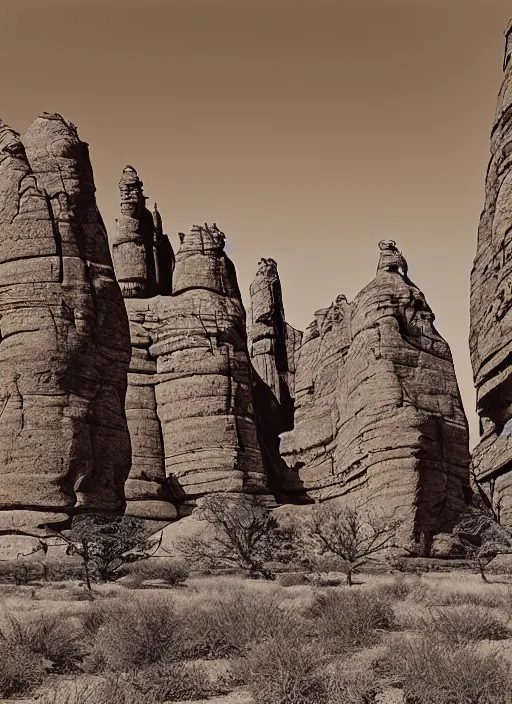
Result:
{"points": [[190, 403], [379, 420], [64, 337], [491, 309]]}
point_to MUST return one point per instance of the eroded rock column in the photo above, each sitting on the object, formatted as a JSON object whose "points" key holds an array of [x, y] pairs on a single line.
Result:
{"points": [[64, 338]]}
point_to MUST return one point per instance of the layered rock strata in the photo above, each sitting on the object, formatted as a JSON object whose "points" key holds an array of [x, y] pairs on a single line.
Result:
{"points": [[64, 337], [190, 401], [491, 309], [379, 419]]}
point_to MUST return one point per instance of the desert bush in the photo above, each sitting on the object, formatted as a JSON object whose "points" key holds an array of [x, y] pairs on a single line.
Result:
{"points": [[170, 571], [21, 670], [241, 533], [463, 624], [54, 636], [67, 569], [346, 620], [292, 579], [285, 670], [20, 572], [92, 619], [347, 686], [432, 671], [112, 690], [173, 682], [439, 596], [134, 634], [234, 623]]}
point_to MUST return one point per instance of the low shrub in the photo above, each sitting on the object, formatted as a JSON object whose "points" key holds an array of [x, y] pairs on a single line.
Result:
{"points": [[234, 623], [292, 579], [173, 682], [463, 624], [134, 634], [285, 670], [432, 671], [172, 572], [21, 670], [56, 637], [346, 686], [346, 620]]}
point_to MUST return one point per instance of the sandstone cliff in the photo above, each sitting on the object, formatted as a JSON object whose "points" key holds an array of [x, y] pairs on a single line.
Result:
{"points": [[64, 338], [491, 302], [379, 418]]}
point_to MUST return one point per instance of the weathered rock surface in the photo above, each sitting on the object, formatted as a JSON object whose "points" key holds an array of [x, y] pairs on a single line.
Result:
{"points": [[190, 395], [379, 418], [491, 308], [64, 338]]}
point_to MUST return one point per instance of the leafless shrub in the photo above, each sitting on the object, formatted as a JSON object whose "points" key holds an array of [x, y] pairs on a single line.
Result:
{"points": [[355, 537], [241, 533]]}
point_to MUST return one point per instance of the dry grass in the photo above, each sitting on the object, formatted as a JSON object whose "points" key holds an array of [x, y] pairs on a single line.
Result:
{"points": [[293, 644]]}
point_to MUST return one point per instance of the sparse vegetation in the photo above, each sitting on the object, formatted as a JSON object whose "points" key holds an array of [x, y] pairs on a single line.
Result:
{"points": [[349, 534], [105, 544], [241, 533]]}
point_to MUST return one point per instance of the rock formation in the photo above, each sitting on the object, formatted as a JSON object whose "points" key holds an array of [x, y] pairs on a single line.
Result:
{"points": [[379, 418], [273, 344], [64, 338], [190, 401], [491, 309]]}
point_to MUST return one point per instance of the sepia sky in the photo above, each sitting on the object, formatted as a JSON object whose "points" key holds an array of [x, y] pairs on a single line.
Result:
{"points": [[307, 129]]}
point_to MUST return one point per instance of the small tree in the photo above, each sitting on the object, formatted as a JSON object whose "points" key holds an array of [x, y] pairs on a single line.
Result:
{"points": [[349, 534], [105, 544], [240, 532]]}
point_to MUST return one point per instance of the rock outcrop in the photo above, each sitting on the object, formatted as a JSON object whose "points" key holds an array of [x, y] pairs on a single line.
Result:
{"points": [[379, 419], [491, 309], [64, 337]]}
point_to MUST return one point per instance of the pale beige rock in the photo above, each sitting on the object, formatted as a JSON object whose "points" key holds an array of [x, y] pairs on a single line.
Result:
{"points": [[64, 338]]}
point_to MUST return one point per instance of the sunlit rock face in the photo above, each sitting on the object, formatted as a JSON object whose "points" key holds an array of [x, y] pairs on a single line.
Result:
{"points": [[491, 309], [64, 336], [379, 419]]}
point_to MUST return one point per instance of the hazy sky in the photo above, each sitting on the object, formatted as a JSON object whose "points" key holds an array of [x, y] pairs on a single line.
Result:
{"points": [[308, 130]]}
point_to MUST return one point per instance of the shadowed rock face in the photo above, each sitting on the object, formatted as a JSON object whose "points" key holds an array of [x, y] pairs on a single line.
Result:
{"points": [[273, 344], [491, 308], [379, 418], [64, 338], [190, 401]]}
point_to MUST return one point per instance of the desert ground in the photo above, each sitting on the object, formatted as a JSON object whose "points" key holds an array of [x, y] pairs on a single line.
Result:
{"points": [[415, 637]]}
